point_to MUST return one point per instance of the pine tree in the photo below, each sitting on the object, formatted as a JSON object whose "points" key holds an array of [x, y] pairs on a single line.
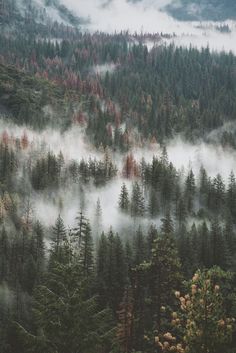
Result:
{"points": [[86, 253], [58, 236], [67, 319], [201, 324], [79, 230], [153, 206], [164, 156], [111, 270], [102, 269], [231, 195], [124, 198], [167, 226], [230, 239], [190, 189], [140, 251], [219, 188], [126, 322], [165, 276], [218, 246], [4, 255], [98, 218], [181, 212], [151, 237], [203, 187], [30, 274], [137, 201], [39, 247]]}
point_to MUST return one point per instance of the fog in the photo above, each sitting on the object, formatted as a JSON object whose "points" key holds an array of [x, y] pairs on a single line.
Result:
{"points": [[73, 144], [103, 69], [207, 35], [149, 16]]}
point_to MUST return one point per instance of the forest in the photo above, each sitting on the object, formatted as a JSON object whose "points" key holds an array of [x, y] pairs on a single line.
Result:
{"points": [[214, 10], [105, 244]]}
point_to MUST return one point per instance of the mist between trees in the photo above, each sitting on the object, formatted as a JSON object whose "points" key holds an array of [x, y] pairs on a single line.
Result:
{"points": [[117, 185]]}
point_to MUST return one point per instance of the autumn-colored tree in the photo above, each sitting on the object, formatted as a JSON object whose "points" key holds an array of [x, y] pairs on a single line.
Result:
{"points": [[24, 141], [130, 168]]}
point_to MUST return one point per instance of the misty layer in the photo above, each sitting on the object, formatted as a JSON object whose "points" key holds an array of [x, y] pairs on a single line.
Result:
{"points": [[117, 179]]}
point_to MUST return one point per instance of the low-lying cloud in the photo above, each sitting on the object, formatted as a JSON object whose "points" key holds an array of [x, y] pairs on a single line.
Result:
{"points": [[148, 16], [70, 200]]}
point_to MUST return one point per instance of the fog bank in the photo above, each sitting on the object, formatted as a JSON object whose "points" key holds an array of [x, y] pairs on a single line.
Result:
{"points": [[148, 16]]}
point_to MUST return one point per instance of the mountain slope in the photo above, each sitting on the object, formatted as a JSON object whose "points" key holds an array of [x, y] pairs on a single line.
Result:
{"points": [[216, 10], [39, 11]]}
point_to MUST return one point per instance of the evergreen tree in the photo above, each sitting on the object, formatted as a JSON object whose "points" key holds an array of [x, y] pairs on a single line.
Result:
{"points": [[137, 201], [39, 248], [68, 320], [190, 189], [203, 187], [124, 198], [58, 236], [126, 322], [79, 230], [140, 251], [205, 245], [231, 195], [4, 255], [167, 226], [201, 325], [86, 253], [153, 206], [164, 272], [218, 246], [181, 212], [98, 218], [102, 269], [111, 270], [219, 188]]}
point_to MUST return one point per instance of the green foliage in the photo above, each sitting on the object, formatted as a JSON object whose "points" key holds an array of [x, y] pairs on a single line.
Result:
{"points": [[67, 320], [202, 324], [24, 96]]}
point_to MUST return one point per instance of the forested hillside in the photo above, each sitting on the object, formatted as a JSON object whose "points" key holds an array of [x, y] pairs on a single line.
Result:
{"points": [[105, 244], [203, 10]]}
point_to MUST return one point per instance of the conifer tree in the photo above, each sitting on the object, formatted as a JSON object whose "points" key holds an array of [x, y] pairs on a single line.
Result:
{"points": [[218, 246], [153, 206], [124, 198], [231, 195], [98, 218], [39, 248], [102, 269], [165, 275], [167, 226], [202, 324], [126, 321], [58, 236], [181, 212], [203, 186], [86, 253], [140, 247], [4, 255], [79, 230], [137, 201], [219, 188], [205, 255], [190, 189], [67, 319]]}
